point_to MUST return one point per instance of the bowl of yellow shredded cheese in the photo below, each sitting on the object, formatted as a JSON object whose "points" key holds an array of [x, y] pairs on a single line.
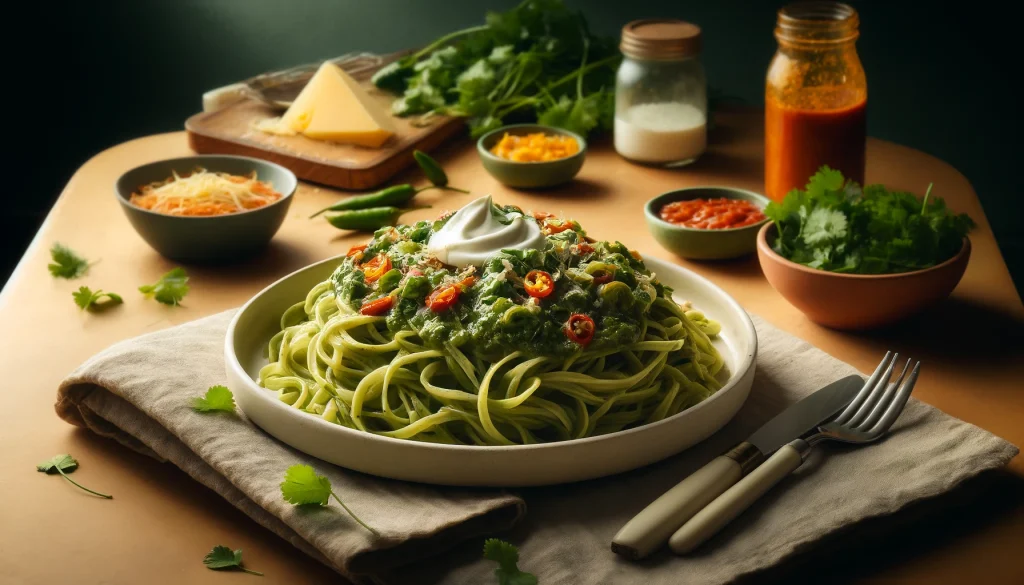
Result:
{"points": [[531, 155]]}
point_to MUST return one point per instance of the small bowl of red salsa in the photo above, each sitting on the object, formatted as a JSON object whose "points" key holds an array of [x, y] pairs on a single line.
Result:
{"points": [[707, 223]]}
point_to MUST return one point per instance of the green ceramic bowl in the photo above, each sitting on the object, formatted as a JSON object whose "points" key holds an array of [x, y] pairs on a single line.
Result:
{"points": [[219, 238], [530, 175], [701, 244]]}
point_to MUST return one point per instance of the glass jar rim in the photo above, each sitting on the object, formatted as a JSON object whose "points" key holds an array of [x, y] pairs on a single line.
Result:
{"points": [[817, 22]]}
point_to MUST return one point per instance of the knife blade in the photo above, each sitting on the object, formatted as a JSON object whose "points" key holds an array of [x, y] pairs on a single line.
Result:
{"points": [[651, 528]]}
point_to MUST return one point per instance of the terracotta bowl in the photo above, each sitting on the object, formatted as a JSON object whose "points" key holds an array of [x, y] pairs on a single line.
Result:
{"points": [[858, 301]]}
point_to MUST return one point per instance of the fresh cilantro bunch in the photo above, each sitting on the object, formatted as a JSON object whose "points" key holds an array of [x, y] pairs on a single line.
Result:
{"points": [[836, 225], [538, 61]]}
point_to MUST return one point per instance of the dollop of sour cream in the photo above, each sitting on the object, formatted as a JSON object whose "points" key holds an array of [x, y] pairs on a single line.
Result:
{"points": [[475, 233]]}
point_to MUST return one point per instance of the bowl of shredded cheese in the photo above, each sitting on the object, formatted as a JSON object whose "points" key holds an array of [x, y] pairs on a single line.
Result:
{"points": [[206, 208], [531, 155]]}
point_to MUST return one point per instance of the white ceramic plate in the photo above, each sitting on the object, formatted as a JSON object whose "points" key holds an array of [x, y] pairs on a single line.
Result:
{"points": [[522, 465]]}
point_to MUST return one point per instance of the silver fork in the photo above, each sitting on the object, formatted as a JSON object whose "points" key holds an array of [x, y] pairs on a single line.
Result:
{"points": [[866, 419]]}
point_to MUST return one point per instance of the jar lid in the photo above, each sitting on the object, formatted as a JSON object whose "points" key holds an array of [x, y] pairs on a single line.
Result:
{"points": [[660, 38]]}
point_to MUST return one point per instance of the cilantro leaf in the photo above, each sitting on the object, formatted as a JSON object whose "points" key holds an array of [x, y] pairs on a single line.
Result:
{"points": [[170, 289], [833, 224], [302, 485], [65, 464], [66, 264], [507, 557], [217, 399], [222, 557], [89, 300], [824, 225], [58, 463]]}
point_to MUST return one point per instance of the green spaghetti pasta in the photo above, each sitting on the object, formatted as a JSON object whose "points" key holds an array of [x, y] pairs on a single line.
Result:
{"points": [[573, 340]]}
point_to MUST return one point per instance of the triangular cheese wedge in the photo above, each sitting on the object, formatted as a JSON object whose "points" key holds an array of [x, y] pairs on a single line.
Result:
{"points": [[334, 107]]}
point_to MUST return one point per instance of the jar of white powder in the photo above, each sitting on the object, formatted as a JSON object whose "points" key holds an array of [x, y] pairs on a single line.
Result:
{"points": [[661, 94]]}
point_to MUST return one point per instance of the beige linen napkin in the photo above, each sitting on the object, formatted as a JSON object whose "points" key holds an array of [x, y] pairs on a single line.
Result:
{"points": [[137, 392]]}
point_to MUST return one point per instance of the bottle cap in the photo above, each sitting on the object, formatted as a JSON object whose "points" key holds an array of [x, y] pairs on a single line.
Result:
{"points": [[660, 39]]}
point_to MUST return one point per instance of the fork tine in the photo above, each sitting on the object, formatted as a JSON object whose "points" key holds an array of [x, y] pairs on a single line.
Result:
{"points": [[872, 398], [867, 388], [898, 403], [883, 403]]}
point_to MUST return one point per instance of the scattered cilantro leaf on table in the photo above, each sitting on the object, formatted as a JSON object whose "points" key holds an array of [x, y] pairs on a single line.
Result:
{"points": [[170, 289], [89, 300], [65, 464], [66, 264], [217, 399], [507, 557], [833, 224], [303, 486], [222, 557]]}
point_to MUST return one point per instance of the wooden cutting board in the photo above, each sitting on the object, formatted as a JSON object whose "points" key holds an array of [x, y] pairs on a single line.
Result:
{"points": [[230, 131]]}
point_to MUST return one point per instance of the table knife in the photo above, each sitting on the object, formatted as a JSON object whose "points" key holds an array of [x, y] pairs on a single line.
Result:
{"points": [[651, 528]]}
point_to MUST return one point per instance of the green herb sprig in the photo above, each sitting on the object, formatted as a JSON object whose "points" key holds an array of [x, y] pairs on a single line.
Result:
{"points": [[65, 464], [90, 300], [507, 557], [223, 558], [170, 289], [835, 225], [302, 485], [217, 399], [537, 61], [66, 263]]}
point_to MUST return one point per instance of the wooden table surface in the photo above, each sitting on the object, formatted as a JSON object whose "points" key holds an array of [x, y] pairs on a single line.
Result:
{"points": [[160, 523]]}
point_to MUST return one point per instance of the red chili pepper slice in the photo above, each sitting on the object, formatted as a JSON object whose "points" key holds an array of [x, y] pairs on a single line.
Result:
{"points": [[542, 215], [356, 252], [603, 276], [444, 297], [583, 249], [539, 284], [378, 307], [580, 328], [556, 226], [376, 268]]}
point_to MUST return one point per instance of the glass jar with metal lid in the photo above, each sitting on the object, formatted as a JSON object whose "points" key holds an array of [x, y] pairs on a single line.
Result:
{"points": [[661, 93]]}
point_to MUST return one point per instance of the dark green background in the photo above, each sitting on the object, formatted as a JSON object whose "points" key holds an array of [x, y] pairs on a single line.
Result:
{"points": [[99, 73]]}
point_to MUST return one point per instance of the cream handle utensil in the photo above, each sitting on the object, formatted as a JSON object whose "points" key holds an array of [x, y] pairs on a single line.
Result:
{"points": [[723, 509], [864, 420], [649, 529]]}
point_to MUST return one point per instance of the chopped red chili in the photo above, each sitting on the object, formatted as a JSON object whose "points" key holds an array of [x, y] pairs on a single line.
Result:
{"points": [[712, 214], [376, 268], [377, 307], [538, 284], [580, 328], [445, 296]]}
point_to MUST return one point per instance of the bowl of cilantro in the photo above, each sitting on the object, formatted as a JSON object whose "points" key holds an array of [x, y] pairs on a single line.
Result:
{"points": [[857, 258]]}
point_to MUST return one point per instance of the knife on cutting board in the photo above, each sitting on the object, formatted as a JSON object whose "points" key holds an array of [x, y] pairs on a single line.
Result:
{"points": [[651, 528]]}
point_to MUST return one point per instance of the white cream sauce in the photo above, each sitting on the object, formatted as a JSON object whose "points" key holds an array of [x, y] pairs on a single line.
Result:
{"points": [[475, 234]]}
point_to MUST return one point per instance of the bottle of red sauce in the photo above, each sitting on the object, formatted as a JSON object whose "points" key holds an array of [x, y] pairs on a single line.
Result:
{"points": [[815, 97]]}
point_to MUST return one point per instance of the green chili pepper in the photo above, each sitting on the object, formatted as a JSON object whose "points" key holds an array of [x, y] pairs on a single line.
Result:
{"points": [[617, 295], [518, 316], [391, 197], [367, 220], [390, 280], [433, 171]]}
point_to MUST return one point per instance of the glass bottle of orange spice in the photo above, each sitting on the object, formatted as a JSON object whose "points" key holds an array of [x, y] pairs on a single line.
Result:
{"points": [[815, 97]]}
